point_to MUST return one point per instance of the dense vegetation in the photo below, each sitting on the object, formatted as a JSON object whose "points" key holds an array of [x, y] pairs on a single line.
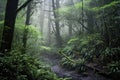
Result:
{"points": [[99, 42], [83, 33]]}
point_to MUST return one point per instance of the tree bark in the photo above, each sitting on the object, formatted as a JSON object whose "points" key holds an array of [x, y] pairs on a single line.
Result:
{"points": [[49, 26], [25, 33], [70, 29], [23, 6], [42, 16], [9, 25], [57, 27], [90, 18], [70, 3]]}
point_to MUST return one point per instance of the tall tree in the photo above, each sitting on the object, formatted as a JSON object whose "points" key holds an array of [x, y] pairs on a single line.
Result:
{"points": [[49, 24], [57, 26], [9, 24], [69, 3], [25, 34], [90, 18], [42, 16]]}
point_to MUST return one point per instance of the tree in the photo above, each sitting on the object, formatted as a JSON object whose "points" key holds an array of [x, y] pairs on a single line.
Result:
{"points": [[9, 24], [42, 16], [57, 26], [70, 3], [25, 34], [90, 18], [110, 22], [49, 24]]}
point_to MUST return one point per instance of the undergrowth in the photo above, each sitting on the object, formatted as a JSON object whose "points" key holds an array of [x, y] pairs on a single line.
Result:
{"points": [[18, 66], [90, 48]]}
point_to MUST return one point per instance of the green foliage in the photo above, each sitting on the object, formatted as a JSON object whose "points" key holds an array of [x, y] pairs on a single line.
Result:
{"points": [[77, 65], [85, 4], [110, 55], [73, 40], [85, 45], [90, 48], [45, 49], [101, 47], [106, 6], [87, 48], [111, 51], [80, 64], [34, 40], [68, 64], [68, 49], [114, 66], [33, 37], [65, 9], [17, 66]]}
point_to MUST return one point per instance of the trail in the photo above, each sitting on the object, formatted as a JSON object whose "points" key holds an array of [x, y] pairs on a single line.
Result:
{"points": [[54, 61]]}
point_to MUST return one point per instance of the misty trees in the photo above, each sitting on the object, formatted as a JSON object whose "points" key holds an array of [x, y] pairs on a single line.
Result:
{"points": [[49, 22], [100, 41], [42, 16], [70, 3], [56, 5]]}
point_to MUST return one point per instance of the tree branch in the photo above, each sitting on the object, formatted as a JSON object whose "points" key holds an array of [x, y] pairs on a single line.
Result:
{"points": [[23, 6]]}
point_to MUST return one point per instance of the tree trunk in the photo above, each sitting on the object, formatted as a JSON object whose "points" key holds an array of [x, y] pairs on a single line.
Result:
{"points": [[42, 16], [70, 29], [69, 3], [49, 26], [25, 33], [90, 18], [9, 25], [57, 27]]}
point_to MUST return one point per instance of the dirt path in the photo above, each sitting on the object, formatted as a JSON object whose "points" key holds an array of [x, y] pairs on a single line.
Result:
{"points": [[54, 61]]}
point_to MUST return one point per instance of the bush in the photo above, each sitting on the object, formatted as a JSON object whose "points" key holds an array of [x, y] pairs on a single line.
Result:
{"points": [[77, 65], [91, 48], [17, 66]]}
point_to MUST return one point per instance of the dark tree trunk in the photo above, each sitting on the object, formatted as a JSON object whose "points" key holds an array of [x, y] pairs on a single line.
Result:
{"points": [[107, 23], [25, 34], [90, 18], [90, 21], [9, 25], [70, 29], [28, 14]]}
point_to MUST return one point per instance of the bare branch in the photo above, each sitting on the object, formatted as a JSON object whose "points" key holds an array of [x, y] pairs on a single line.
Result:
{"points": [[23, 6]]}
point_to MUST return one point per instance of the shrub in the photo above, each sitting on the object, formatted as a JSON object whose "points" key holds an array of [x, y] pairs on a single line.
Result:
{"points": [[17, 66]]}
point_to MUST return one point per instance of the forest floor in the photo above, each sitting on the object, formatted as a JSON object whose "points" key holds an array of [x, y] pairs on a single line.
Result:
{"points": [[54, 61]]}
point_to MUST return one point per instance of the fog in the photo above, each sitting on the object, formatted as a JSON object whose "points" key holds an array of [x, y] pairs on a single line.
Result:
{"points": [[43, 15]]}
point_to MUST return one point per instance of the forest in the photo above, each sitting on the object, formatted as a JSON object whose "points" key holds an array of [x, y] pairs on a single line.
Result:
{"points": [[59, 39]]}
